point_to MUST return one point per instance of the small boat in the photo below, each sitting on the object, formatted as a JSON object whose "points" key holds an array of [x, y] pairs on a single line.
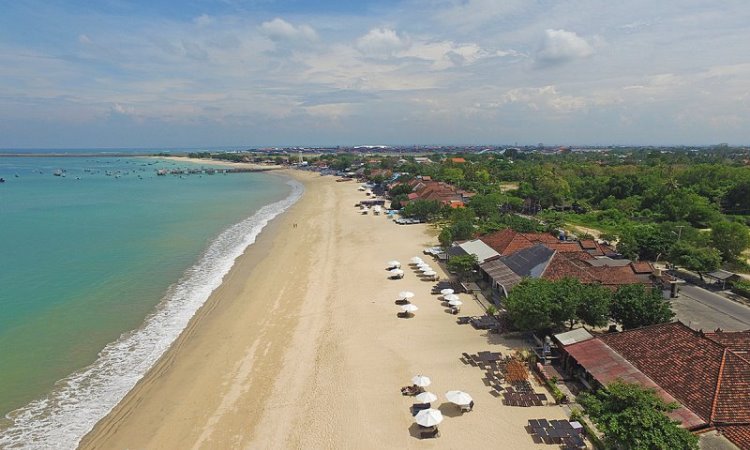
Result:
{"points": [[58, 173], [2, 180]]}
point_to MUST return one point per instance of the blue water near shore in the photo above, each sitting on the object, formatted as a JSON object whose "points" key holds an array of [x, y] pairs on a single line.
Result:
{"points": [[101, 268]]}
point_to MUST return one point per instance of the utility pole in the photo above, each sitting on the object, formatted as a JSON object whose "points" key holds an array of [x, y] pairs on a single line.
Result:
{"points": [[679, 234]]}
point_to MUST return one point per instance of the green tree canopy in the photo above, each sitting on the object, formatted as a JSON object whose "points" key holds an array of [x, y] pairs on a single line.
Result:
{"points": [[463, 265], [530, 304], [698, 259], [594, 309], [422, 209], [633, 418], [633, 306], [730, 238], [399, 189], [567, 297]]}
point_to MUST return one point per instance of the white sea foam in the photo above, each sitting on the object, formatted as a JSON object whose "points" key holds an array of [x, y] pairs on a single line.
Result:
{"points": [[79, 401]]}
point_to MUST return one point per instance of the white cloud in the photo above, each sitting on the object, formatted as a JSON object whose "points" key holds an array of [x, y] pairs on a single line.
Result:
{"points": [[203, 20], [381, 43], [83, 39], [280, 30], [561, 46]]}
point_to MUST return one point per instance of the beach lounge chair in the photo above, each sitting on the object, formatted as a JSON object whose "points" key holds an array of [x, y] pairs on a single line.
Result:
{"points": [[411, 390], [467, 408], [416, 407], [430, 434]]}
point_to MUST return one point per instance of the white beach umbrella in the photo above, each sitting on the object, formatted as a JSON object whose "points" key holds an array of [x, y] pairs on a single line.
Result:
{"points": [[429, 417], [396, 272], [416, 260], [422, 265], [450, 297], [458, 397], [406, 295], [426, 269], [409, 308], [430, 273], [426, 397], [447, 291], [421, 380], [394, 263], [455, 303]]}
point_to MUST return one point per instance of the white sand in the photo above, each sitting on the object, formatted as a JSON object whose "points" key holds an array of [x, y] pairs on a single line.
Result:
{"points": [[301, 348]]}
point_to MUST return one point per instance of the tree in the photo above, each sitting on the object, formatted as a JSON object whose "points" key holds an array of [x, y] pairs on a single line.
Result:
{"points": [[530, 304], [593, 310], [644, 241], [737, 199], [486, 206], [422, 209], [632, 417], [463, 265], [730, 238], [697, 259], [567, 299], [397, 200], [452, 174], [462, 230], [445, 237], [635, 306], [400, 189]]}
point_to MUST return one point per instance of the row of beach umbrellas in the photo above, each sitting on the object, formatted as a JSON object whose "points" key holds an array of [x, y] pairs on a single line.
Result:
{"points": [[431, 417], [422, 266]]}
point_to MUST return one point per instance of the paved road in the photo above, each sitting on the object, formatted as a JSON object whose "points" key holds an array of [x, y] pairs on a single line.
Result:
{"points": [[700, 308]]}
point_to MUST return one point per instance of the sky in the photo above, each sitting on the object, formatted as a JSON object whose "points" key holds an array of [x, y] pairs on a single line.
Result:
{"points": [[193, 73]]}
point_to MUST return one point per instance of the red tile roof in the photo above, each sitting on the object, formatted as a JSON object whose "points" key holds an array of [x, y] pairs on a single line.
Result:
{"points": [[738, 434], [706, 373], [573, 265], [677, 358], [737, 341], [701, 373], [507, 242], [588, 244], [606, 366], [642, 267], [458, 160]]}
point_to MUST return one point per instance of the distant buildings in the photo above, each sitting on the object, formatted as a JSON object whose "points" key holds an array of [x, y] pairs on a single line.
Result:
{"points": [[515, 256], [424, 188]]}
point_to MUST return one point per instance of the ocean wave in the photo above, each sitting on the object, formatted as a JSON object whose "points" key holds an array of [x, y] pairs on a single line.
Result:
{"points": [[78, 402]]}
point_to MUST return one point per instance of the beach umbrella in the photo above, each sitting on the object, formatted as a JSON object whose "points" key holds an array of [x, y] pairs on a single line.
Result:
{"points": [[426, 397], [409, 308], [458, 397], [421, 380], [426, 269], [422, 265], [450, 297], [406, 295], [446, 291], [416, 260], [394, 264], [396, 272], [429, 417], [455, 303], [430, 273]]}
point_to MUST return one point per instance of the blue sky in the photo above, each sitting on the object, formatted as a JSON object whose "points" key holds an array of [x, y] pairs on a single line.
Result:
{"points": [[120, 73]]}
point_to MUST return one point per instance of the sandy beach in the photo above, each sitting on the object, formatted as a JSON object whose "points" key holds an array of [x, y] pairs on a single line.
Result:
{"points": [[301, 347]]}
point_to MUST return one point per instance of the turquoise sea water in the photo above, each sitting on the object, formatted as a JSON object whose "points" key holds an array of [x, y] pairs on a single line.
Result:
{"points": [[108, 253]]}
